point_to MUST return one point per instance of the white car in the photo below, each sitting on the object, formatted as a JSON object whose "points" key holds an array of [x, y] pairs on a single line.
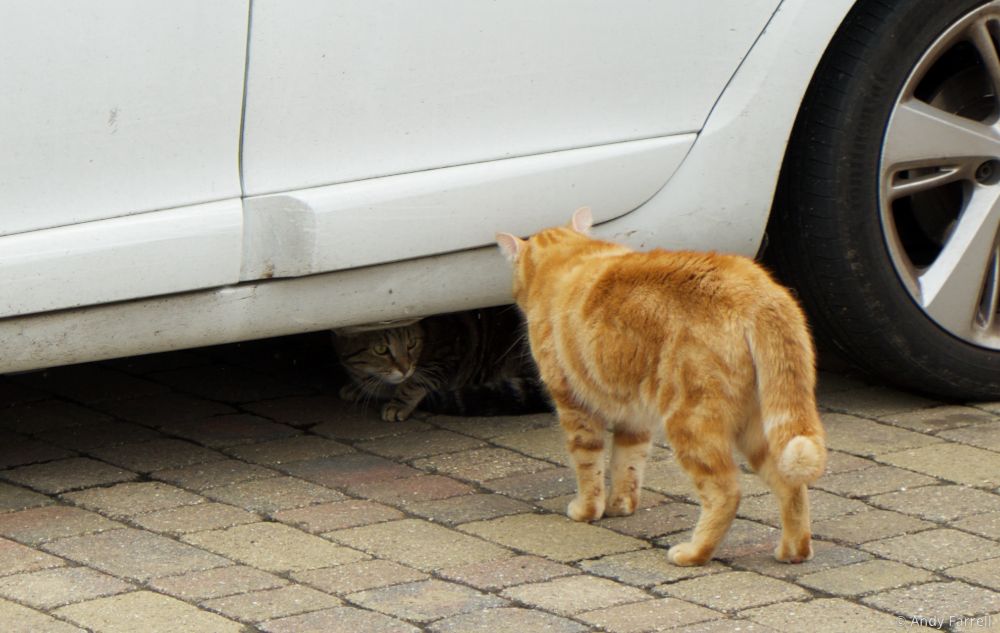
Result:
{"points": [[177, 173]]}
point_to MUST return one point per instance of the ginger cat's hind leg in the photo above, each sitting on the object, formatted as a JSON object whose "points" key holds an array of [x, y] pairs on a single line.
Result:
{"points": [[585, 440], [628, 462], [705, 452]]}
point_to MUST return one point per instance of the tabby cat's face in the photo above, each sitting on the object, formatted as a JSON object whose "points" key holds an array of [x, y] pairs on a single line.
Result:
{"points": [[388, 355]]}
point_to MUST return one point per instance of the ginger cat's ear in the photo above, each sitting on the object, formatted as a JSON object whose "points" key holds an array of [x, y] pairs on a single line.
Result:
{"points": [[582, 220], [510, 246]]}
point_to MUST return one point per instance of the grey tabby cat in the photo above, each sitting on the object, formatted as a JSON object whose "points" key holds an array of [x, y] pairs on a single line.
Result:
{"points": [[467, 363]]}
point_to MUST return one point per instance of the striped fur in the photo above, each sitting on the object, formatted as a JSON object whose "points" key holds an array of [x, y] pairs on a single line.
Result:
{"points": [[466, 363]]}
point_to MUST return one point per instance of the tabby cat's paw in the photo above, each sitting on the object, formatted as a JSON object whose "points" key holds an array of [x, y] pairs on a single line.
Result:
{"points": [[396, 412], [687, 555], [585, 509], [349, 392]]}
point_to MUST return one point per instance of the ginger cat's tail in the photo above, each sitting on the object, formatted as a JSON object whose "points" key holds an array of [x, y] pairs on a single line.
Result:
{"points": [[786, 378]]}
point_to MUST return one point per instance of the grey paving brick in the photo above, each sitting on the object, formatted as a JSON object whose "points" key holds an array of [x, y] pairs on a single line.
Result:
{"points": [[38, 525], [840, 462], [987, 525], [350, 469], [229, 430], [225, 472], [828, 615], [506, 620], [546, 443], [872, 401], [982, 435], [358, 424], [646, 568], [167, 408], [468, 507], [419, 544], [734, 591], [39, 417], [134, 554], [145, 457], [939, 503], [326, 517], [481, 464], [727, 625], [19, 498], [649, 615], [937, 419], [195, 518], [984, 572], [129, 499], [865, 438], [338, 620], [273, 547], [745, 539], [499, 574], [91, 436], [935, 549], [16, 558], [870, 525], [554, 537], [91, 383], [268, 604], [273, 494], [52, 588], [651, 522], [67, 474], [941, 601], [545, 484], [867, 577], [952, 462], [300, 411], [19, 451], [420, 444], [575, 594], [216, 583], [20, 619], [426, 600], [145, 611], [822, 505], [359, 576], [226, 383], [291, 449], [872, 481], [405, 492]]}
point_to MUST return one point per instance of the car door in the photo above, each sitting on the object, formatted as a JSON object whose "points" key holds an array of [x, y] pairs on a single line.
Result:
{"points": [[385, 130], [119, 149]]}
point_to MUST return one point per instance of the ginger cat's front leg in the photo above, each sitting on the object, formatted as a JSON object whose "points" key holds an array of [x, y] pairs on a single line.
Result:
{"points": [[585, 440], [628, 462]]}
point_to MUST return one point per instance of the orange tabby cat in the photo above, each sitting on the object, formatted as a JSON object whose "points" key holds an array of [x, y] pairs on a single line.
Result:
{"points": [[706, 344]]}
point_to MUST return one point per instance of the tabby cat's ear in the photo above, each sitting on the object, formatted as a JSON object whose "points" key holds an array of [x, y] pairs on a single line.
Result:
{"points": [[510, 246], [582, 220]]}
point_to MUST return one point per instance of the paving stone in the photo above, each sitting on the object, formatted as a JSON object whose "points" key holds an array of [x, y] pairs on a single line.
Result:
{"points": [[16, 558], [91, 383], [984, 572], [822, 505], [426, 600], [727, 625], [866, 438], [403, 492], [195, 518], [147, 612], [216, 583], [167, 408], [19, 450], [354, 577], [338, 620], [481, 464], [51, 588], [547, 444], [300, 411], [648, 499], [937, 419], [18, 498], [201, 477], [269, 604], [349, 469], [838, 462], [733, 590], [987, 525], [229, 430], [828, 615], [359, 425], [67, 474], [825, 556], [745, 539], [574, 594], [545, 484], [38, 525], [273, 547], [422, 444], [419, 544], [982, 435], [935, 549], [941, 601], [326, 517], [872, 481], [649, 615], [227, 383], [495, 426], [493, 575], [273, 494], [667, 477], [291, 449], [645, 568], [18, 619], [39, 417], [12, 394], [867, 577], [506, 620], [870, 525], [468, 507], [939, 503], [873, 401], [953, 462], [129, 499], [145, 457], [130, 553], [555, 537], [651, 522], [87, 438]]}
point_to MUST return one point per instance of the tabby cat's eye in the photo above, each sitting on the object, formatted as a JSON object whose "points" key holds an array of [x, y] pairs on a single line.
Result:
{"points": [[381, 349]]}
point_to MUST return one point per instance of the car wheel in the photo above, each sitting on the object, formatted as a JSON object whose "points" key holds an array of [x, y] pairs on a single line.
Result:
{"points": [[888, 206]]}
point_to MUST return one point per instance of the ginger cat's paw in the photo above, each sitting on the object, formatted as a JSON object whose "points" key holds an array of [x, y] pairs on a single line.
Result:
{"points": [[794, 553], [584, 510], [396, 412], [621, 506], [687, 555]]}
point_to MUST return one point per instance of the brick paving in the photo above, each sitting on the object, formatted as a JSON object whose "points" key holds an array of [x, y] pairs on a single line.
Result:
{"points": [[228, 489]]}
